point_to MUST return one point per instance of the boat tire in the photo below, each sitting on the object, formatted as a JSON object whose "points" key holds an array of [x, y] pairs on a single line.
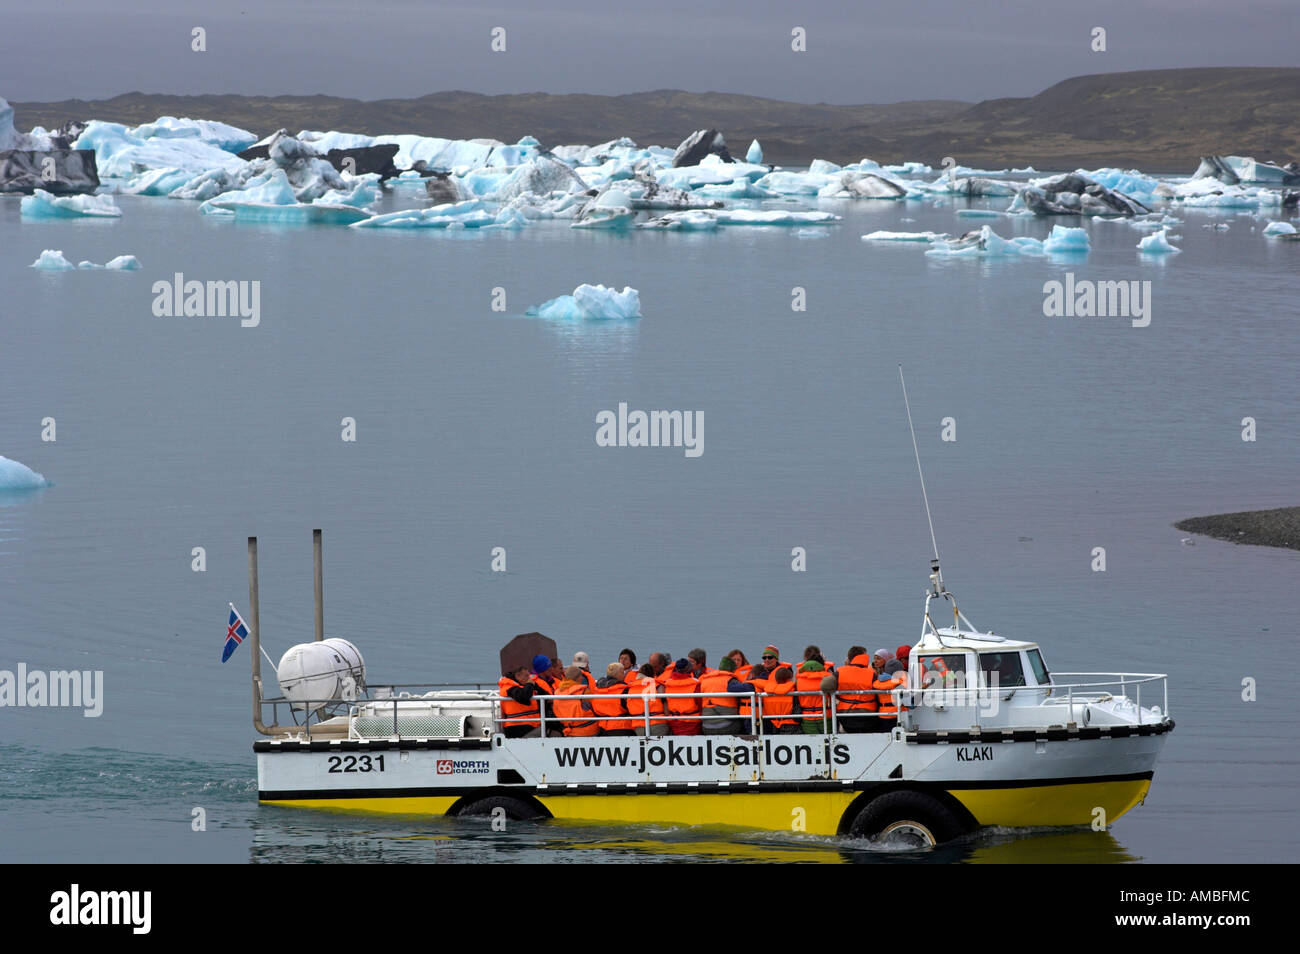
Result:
{"points": [[515, 809], [909, 817]]}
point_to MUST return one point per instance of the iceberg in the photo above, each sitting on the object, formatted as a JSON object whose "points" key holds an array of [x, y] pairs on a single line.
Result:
{"points": [[121, 153], [52, 260], [1279, 228], [1157, 244], [221, 135], [691, 220], [754, 154], [774, 217], [42, 205], [905, 237], [985, 243], [590, 302], [16, 476], [736, 189], [1065, 239], [468, 214], [979, 214]]}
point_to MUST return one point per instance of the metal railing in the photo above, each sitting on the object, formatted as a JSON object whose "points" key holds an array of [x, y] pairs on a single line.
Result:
{"points": [[907, 701]]}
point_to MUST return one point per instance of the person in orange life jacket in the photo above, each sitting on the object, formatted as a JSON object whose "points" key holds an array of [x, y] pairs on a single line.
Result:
{"points": [[768, 665], [542, 679], [699, 664], [743, 665], [854, 651], [893, 676], [578, 718], [721, 712], [814, 652], [610, 703], [518, 708], [809, 679], [556, 672], [856, 710], [778, 704], [627, 659], [662, 667], [645, 689], [583, 662], [680, 681]]}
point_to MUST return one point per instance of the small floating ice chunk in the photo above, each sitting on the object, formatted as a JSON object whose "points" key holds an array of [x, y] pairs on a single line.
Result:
{"points": [[1157, 244], [591, 302], [42, 205], [1279, 228], [979, 214], [52, 260], [124, 263], [1065, 239], [774, 217], [905, 236], [754, 153], [16, 476], [689, 220]]}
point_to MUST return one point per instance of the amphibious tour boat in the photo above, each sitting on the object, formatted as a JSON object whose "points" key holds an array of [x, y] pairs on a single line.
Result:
{"points": [[987, 735]]}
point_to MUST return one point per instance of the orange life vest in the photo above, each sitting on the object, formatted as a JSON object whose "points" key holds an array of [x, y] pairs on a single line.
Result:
{"points": [[854, 678], [716, 680], [636, 703], [746, 702], [591, 680], [575, 711], [742, 672], [812, 706], [677, 684], [887, 708], [511, 711], [609, 704], [778, 702]]}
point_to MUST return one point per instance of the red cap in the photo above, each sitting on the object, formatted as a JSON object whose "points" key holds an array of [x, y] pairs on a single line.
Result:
{"points": [[903, 652]]}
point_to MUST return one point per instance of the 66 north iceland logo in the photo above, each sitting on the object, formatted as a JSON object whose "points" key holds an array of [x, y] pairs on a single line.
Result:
{"points": [[462, 767]]}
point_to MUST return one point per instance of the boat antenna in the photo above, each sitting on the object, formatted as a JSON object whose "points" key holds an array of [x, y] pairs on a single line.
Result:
{"points": [[936, 574]]}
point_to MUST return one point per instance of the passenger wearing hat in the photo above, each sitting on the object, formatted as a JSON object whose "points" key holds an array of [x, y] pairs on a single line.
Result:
{"points": [[769, 664], [681, 682], [583, 662], [541, 676]]}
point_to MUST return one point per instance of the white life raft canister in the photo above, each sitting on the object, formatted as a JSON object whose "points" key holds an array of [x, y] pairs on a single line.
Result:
{"points": [[331, 670]]}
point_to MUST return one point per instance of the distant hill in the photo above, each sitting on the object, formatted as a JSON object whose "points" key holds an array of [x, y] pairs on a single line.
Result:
{"points": [[1160, 120]]}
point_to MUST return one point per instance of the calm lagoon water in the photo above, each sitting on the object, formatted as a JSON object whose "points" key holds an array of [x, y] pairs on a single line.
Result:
{"points": [[475, 429]]}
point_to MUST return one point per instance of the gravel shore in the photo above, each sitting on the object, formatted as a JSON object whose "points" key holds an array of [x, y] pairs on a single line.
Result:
{"points": [[1265, 528]]}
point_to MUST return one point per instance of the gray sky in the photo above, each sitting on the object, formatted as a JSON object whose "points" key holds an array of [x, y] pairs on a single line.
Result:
{"points": [[858, 51]]}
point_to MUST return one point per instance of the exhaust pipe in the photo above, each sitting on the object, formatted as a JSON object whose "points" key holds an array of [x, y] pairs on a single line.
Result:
{"points": [[318, 568]]}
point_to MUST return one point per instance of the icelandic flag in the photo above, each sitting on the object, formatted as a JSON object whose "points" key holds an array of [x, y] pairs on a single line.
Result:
{"points": [[236, 633]]}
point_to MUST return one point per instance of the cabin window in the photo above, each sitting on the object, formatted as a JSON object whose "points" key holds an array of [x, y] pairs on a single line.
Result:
{"points": [[1001, 669], [1041, 675], [943, 670]]}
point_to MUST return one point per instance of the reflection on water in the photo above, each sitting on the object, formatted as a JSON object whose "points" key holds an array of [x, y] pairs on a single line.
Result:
{"points": [[289, 835]]}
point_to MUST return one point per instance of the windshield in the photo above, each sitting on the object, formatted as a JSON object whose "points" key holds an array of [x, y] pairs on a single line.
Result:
{"points": [[1041, 675], [1002, 669]]}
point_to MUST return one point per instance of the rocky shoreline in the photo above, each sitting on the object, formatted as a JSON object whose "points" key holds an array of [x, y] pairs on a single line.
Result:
{"points": [[1265, 528]]}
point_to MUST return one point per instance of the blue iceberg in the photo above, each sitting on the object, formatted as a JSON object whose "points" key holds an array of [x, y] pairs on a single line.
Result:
{"points": [[591, 302], [16, 476], [42, 205]]}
